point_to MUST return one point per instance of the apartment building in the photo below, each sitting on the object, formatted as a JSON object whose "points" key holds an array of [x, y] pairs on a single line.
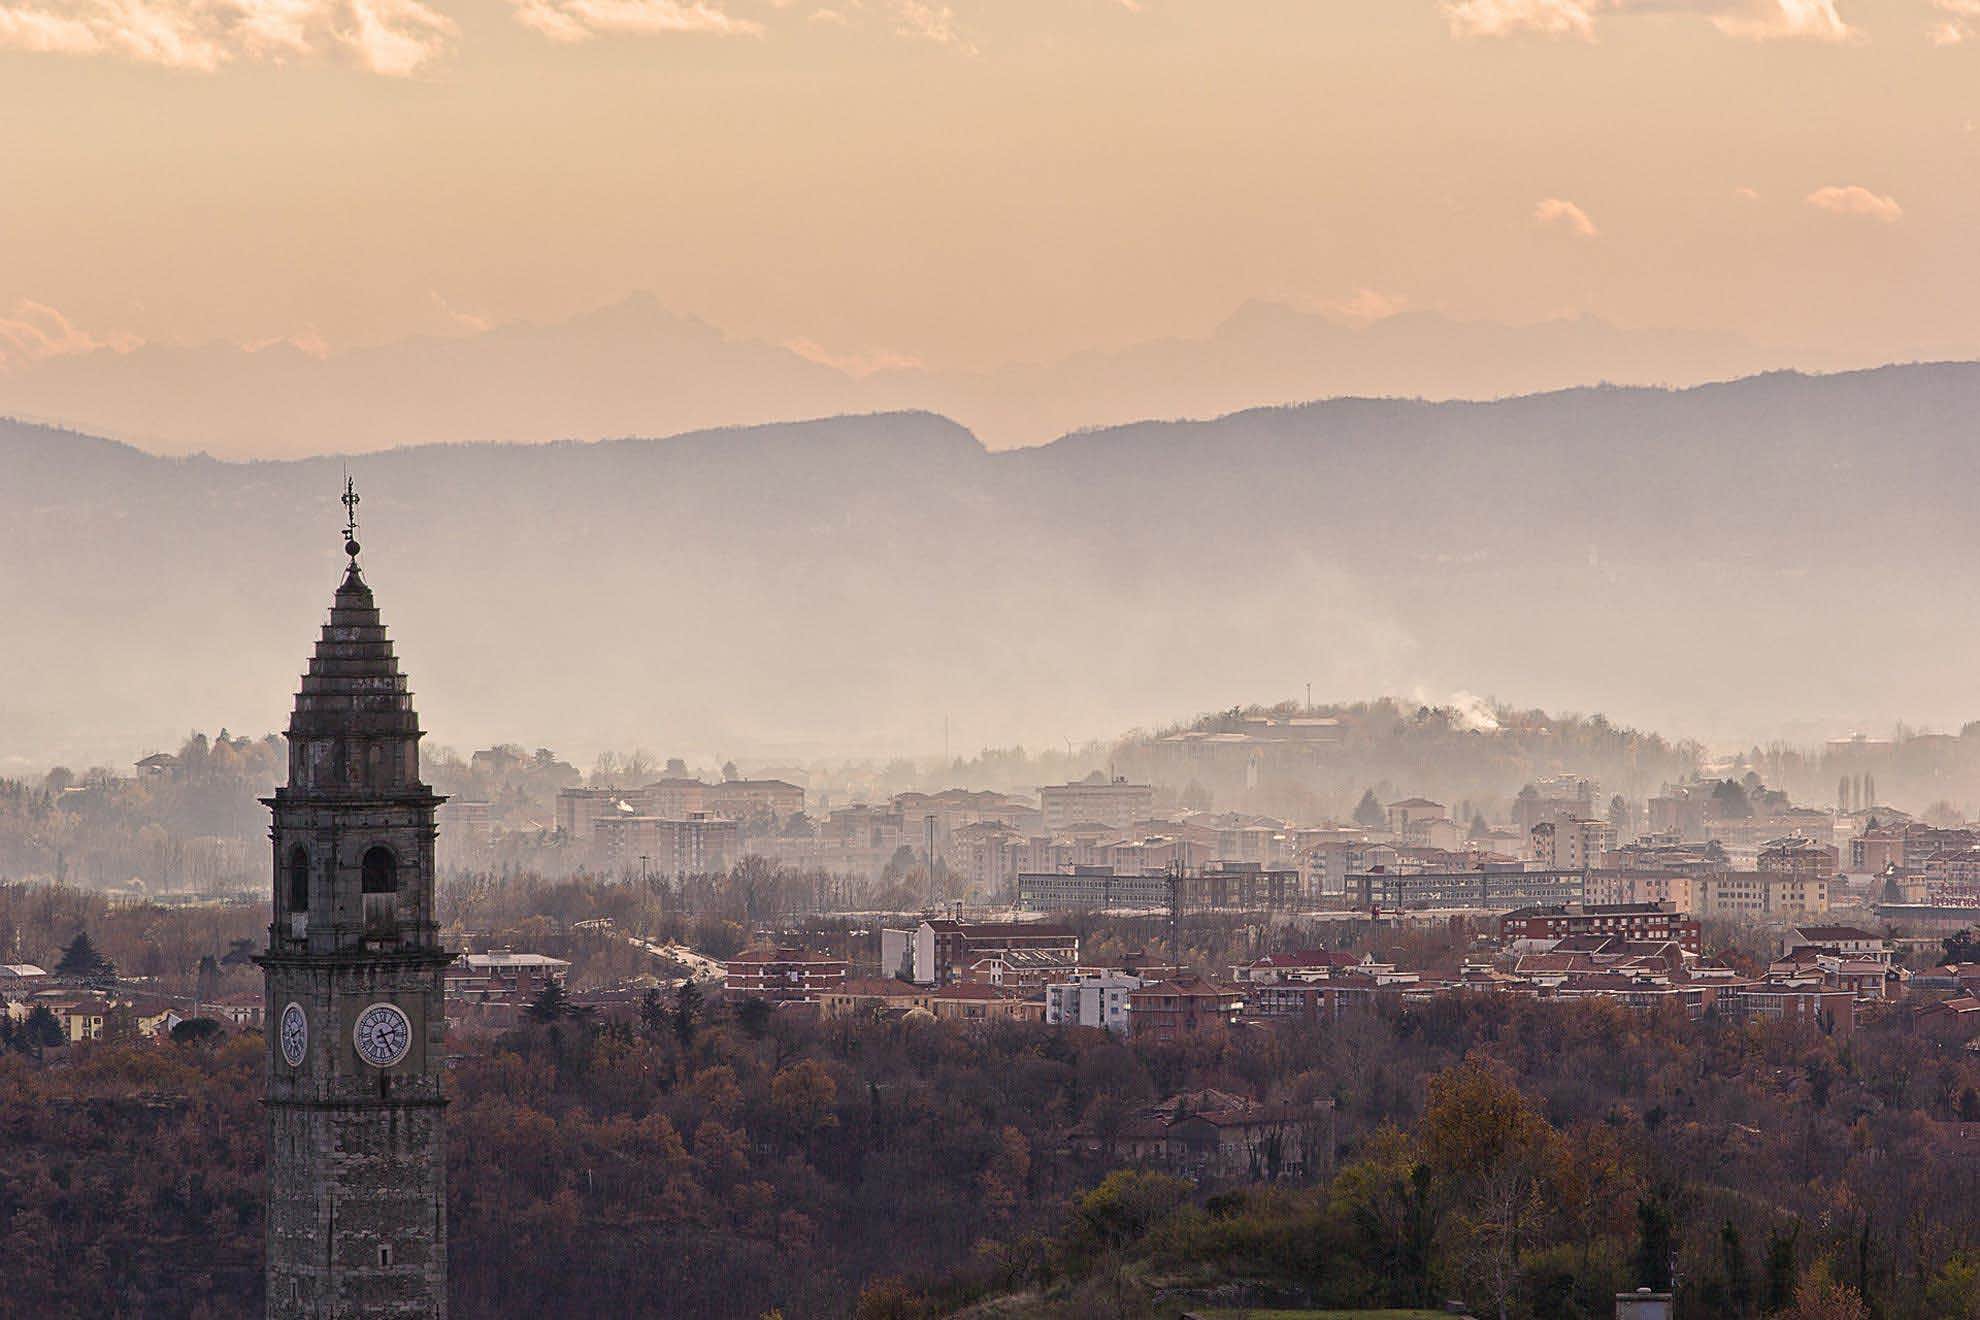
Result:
{"points": [[699, 845], [1114, 803], [783, 975]]}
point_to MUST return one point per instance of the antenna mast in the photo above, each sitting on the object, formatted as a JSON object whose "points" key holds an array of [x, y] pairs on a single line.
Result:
{"points": [[1175, 907]]}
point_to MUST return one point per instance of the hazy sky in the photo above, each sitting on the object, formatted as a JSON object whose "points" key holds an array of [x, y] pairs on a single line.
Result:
{"points": [[980, 181]]}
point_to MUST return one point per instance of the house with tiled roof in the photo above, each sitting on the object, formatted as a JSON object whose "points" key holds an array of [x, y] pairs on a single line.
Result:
{"points": [[891, 997], [1216, 1135]]}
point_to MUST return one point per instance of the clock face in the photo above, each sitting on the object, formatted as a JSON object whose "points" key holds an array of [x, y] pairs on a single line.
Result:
{"points": [[383, 1035], [295, 1034]]}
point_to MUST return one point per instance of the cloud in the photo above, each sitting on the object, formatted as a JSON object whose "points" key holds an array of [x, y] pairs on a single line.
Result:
{"points": [[1366, 307], [580, 20], [1501, 18], [1747, 193], [1962, 18], [457, 320], [1556, 212], [1778, 20], [931, 22], [34, 332], [857, 364], [1855, 200], [1753, 20], [391, 37]]}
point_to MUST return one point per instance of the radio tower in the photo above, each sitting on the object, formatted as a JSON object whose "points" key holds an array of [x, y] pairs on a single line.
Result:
{"points": [[1175, 908]]}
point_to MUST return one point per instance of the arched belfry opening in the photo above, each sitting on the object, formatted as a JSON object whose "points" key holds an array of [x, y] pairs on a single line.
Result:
{"points": [[299, 879], [381, 871], [380, 883]]}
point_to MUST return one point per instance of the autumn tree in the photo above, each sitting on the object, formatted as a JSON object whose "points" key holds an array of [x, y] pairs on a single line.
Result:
{"points": [[1489, 1147]]}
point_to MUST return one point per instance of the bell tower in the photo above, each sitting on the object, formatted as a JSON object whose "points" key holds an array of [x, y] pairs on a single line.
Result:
{"points": [[357, 1172]]}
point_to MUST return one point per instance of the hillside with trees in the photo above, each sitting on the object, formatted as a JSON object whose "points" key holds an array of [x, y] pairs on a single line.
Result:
{"points": [[1530, 1159]]}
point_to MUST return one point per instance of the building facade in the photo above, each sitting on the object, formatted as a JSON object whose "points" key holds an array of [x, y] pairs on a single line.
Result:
{"points": [[1092, 999], [701, 844], [784, 975], [1116, 804]]}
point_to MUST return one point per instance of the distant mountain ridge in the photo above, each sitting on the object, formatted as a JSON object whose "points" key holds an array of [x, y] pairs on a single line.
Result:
{"points": [[637, 368], [1720, 561]]}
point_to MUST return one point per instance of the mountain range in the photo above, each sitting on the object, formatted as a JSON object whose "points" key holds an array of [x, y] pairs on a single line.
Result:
{"points": [[1729, 561], [636, 368]]}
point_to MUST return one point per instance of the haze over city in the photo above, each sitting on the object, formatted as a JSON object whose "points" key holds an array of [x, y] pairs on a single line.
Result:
{"points": [[997, 659]]}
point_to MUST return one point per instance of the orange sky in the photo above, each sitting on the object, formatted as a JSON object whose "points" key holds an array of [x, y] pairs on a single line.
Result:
{"points": [[975, 182]]}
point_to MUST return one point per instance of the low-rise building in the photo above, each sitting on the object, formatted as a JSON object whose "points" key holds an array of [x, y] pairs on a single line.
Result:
{"points": [[1526, 929], [1176, 1010], [749, 799], [1813, 1006], [1093, 999], [1845, 940], [245, 1009], [946, 1003], [502, 976], [578, 808], [1797, 854], [784, 975], [1213, 1134], [939, 950], [1754, 895]]}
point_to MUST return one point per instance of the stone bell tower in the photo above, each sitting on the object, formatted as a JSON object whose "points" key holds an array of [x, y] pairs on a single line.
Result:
{"points": [[357, 1170]]}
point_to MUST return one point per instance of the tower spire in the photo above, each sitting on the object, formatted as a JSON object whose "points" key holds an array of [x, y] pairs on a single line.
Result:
{"points": [[351, 547]]}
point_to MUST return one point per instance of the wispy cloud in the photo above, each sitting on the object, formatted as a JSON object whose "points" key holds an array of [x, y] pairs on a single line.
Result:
{"points": [[1366, 307], [931, 22], [857, 364], [1852, 199], [34, 332], [390, 37], [580, 20], [1502, 18], [1962, 18], [1785, 20], [457, 320], [1755, 20], [1559, 213]]}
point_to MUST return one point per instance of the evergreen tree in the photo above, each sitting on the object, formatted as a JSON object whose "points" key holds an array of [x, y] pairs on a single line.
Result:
{"points": [[652, 1014], [80, 959], [41, 1029], [687, 1013], [552, 1004], [1653, 1243], [753, 1015], [1782, 1275], [1739, 1279], [1368, 812]]}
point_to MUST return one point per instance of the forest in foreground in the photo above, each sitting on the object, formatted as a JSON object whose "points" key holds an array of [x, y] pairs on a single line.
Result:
{"points": [[1529, 1159]]}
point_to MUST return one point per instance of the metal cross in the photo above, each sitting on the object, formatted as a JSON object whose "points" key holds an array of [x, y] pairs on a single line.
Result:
{"points": [[350, 508]]}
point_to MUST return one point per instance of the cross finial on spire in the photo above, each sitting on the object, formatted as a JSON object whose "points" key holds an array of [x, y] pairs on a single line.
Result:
{"points": [[351, 546]]}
